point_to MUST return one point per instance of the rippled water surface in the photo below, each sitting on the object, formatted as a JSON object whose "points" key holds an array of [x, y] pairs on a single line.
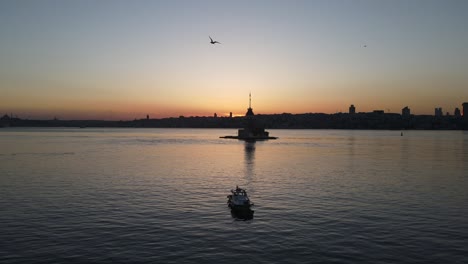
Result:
{"points": [[159, 196]]}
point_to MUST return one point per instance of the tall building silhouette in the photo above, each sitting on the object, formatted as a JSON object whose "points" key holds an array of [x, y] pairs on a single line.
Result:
{"points": [[438, 111], [405, 111], [457, 113], [465, 110], [352, 109]]}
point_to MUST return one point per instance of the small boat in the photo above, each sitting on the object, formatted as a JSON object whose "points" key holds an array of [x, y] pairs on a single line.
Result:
{"points": [[240, 204]]}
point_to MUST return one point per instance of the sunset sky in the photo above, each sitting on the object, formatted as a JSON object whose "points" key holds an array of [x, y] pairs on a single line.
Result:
{"points": [[125, 59]]}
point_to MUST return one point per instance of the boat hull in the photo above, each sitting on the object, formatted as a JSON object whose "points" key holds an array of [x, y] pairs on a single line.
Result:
{"points": [[242, 213]]}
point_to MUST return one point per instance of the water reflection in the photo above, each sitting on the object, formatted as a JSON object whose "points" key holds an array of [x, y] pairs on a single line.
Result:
{"points": [[464, 156], [242, 214], [351, 151], [249, 159], [249, 148]]}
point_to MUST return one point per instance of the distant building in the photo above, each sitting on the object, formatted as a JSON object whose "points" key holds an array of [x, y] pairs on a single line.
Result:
{"points": [[352, 109], [147, 117], [465, 110], [230, 114], [457, 113], [438, 111], [405, 111], [380, 112], [215, 115], [5, 120]]}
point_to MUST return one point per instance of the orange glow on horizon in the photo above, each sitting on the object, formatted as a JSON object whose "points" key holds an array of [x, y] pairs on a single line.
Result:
{"points": [[66, 108]]}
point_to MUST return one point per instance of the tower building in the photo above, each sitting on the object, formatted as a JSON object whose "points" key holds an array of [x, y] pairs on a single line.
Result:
{"points": [[253, 129], [405, 111], [465, 110]]}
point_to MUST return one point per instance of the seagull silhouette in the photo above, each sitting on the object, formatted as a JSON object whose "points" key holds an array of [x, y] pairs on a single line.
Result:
{"points": [[213, 42]]}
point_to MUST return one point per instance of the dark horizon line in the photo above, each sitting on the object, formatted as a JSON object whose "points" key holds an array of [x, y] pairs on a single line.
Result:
{"points": [[11, 116], [369, 120]]}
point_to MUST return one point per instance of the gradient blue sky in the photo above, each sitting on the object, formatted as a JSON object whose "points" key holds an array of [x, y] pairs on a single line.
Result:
{"points": [[125, 59]]}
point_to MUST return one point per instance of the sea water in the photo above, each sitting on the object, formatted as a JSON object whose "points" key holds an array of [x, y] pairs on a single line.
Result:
{"points": [[159, 196]]}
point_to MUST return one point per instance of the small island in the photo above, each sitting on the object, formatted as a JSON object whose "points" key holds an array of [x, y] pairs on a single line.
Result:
{"points": [[252, 130]]}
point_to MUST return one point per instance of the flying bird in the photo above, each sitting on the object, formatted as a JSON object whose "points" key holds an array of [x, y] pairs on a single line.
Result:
{"points": [[213, 42]]}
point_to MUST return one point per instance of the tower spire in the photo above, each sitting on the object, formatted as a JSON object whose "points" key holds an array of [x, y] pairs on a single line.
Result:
{"points": [[249, 111]]}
